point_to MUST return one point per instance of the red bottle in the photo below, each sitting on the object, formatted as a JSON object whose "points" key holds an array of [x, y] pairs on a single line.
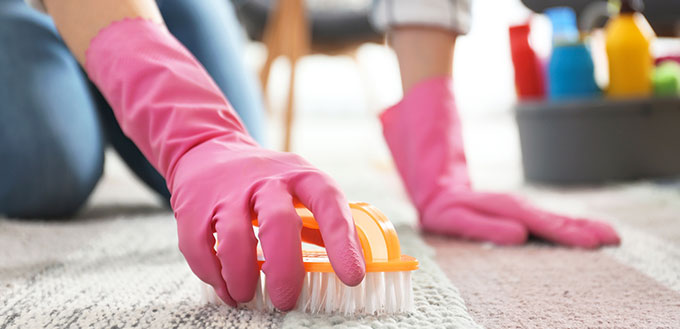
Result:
{"points": [[529, 80]]}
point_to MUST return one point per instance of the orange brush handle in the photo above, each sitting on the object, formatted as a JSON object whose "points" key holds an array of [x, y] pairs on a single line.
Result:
{"points": [[378, 237]]}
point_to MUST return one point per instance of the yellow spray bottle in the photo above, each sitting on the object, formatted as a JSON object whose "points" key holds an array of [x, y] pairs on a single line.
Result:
{"points": [[628, 36]]}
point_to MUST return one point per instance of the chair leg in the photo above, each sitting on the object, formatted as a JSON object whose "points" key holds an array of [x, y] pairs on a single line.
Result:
{"points": [[271, 42], [290, 108], [286, 34], [264, 77]]}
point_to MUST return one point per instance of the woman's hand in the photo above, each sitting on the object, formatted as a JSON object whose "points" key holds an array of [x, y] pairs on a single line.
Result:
{"points": [[424, 134], [505, 219], [217, 188], [218, 176]]}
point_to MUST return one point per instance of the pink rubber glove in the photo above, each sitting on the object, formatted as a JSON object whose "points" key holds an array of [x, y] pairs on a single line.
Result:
{"points": [[423, 133], [218, 176]]}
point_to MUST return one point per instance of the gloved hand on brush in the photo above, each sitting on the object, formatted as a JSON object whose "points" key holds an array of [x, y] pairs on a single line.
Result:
{"points": [[218, 176]]}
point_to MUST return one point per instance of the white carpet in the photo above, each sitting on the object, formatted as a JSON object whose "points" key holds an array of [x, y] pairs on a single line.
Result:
{"points": [[117, 265]]}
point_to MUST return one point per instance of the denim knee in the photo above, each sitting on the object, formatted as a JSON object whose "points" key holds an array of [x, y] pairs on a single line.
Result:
{"points": [[211, 32], [51, 151]]}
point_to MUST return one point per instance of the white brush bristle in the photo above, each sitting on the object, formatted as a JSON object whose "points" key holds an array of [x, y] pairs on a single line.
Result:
{"points": [[378, 293]]}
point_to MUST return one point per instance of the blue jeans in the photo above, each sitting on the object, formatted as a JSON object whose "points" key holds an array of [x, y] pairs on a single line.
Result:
{"points": [[54, 124]]}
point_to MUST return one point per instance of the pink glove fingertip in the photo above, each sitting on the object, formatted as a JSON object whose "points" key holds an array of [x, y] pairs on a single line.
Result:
{"points": [[352, 267], [605, 233], [237, 252], [330, 208], [224, 296]]}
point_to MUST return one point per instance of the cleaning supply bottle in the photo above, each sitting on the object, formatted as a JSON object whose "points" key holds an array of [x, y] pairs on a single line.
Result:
{"points": [[529, 80], [628, 37], [571, 72], [666, 79]]}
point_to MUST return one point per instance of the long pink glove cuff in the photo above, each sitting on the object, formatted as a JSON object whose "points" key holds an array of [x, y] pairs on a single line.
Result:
{"points": [[127, 60], [424, 124]]}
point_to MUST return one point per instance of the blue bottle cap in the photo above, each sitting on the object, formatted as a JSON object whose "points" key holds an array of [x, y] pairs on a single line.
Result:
{"points": [[563, 20]]}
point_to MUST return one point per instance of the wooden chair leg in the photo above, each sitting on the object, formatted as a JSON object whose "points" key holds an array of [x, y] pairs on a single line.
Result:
{"points": [[271, 42], [286, 34], [264, 77], [290, 108]]}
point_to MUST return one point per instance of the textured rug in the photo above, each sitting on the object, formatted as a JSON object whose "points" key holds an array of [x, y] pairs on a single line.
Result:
{"points": [[117, 264], [634, 285]]}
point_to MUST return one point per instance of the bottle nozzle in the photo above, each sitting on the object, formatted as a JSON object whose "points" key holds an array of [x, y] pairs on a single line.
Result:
{"points": [[630, 6]]}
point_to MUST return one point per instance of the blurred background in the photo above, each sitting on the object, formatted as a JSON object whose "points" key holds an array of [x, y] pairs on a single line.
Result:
{"points": [[338, 99], [367, 79], [349, 76]]}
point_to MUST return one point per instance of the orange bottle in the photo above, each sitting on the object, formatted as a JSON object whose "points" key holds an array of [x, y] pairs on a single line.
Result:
{"points": [[628, 37]]}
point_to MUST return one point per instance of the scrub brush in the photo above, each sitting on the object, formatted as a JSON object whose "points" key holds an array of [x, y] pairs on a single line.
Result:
{"points": [[386, 289]]}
